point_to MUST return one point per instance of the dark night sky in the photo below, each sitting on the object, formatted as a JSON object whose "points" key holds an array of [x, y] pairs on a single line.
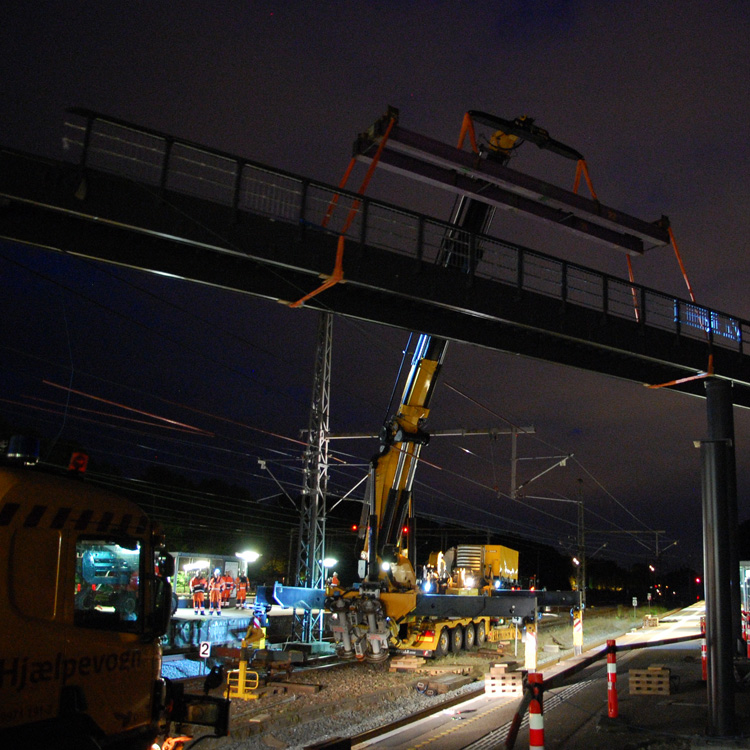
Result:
{"points": [[655, 95]]}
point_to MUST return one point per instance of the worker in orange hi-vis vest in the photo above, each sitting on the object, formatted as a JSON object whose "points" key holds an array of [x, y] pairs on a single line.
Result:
{"points": [[242, 583], [198, 590], [228, 582], [215, 586]]}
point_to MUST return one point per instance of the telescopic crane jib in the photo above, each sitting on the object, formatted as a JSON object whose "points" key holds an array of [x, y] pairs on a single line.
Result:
{"points": [[387, 609]]}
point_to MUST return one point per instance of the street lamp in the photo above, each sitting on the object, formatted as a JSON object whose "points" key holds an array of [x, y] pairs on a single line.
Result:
{"points": [[327, 562], [248, 556]]}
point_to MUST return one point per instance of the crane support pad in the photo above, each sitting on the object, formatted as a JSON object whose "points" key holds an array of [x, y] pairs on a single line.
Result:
{"points": [[425, 159]]}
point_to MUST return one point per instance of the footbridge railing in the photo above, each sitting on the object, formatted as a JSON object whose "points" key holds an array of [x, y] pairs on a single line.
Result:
{"points": [[167, 163]]}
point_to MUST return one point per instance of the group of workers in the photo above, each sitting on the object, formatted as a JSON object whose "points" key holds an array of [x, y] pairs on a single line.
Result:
{"points": [[219, 588]]}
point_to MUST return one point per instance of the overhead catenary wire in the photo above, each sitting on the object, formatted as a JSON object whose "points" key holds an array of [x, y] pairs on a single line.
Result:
{"points": [[556, 448], [457, 474]]}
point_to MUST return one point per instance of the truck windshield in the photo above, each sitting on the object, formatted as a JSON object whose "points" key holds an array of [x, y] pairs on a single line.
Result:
{"points": [[108, 591]]}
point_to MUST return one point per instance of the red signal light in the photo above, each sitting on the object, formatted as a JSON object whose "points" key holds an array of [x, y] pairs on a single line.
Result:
{"points": [[355, 527]]}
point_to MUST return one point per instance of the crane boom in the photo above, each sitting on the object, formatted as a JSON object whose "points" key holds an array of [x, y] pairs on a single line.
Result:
{"points": [[387, 608], [392, 469]]}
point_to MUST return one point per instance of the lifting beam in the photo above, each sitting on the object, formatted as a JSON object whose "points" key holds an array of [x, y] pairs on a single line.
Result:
{"points": [[438, 164]]}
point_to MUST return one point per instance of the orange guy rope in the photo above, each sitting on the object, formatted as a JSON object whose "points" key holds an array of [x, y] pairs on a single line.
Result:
{"points": [[631, 277], [336, 197], [467, 126], [582, 169], [700, 376], [679, 261], [338, 269]]}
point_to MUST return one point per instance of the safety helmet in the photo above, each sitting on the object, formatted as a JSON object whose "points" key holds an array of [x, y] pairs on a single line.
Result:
{"points": [[217, 572]]}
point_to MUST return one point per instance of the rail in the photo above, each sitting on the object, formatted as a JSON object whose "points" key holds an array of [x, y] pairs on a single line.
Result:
{"points": [[172, 164]]}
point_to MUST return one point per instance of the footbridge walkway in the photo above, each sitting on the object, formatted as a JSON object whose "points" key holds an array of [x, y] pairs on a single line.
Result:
{"points": [[132, 196]]}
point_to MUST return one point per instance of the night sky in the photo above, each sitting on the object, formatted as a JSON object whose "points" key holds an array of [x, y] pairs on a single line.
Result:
{"points": [[655, 95]]}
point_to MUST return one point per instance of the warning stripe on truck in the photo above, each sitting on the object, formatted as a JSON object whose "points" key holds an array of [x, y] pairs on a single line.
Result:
{"points": [[45, 516]]}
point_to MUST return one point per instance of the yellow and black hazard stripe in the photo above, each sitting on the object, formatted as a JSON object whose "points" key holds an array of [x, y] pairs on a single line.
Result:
{"points": [[85, 520]]}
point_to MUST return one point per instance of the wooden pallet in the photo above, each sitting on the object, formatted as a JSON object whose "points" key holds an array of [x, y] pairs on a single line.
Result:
{"points": [[503, 684], [406, 663], [652, 681]]}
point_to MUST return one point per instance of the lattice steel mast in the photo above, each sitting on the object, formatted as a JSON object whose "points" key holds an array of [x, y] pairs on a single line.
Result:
{"points": [[312, 529]]}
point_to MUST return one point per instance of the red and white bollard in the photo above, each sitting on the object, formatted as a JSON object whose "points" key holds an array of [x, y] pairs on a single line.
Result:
{"points": [[704, 651], [577, 632], [612, 708], [536, 715], [529, 648]]}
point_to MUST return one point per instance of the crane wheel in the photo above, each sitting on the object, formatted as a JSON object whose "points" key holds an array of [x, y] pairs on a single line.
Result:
{"points": [[470, 636], [481, 634], [457, 639], [444, 642]]}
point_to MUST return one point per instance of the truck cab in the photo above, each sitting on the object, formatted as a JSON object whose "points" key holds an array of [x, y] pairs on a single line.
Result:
{"points": [[85, 596]]}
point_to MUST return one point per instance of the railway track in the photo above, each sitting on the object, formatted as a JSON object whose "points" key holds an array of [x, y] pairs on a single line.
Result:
{"points": [[366, 702]]}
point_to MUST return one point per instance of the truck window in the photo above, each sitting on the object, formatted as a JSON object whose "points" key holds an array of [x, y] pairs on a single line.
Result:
{"points": [[108, 585]]}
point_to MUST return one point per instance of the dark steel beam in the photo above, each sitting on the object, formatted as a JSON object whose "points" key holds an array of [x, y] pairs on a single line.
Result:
{"points": [[117, 221], [464, 184], [427, 150], [500, 604]]}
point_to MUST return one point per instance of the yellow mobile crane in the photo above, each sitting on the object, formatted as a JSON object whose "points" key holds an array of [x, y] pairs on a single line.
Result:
{"points": [[388, 610]]}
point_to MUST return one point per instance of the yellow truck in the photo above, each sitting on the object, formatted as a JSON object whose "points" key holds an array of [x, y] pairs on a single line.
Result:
{"points": [[472, 569], [85, 599]]}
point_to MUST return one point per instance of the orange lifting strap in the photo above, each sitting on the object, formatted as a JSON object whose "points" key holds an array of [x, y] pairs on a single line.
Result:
{"points": [[582, 169], [467, 127], [710, 369], [700, 376], [338, 269], [682, 267]]}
